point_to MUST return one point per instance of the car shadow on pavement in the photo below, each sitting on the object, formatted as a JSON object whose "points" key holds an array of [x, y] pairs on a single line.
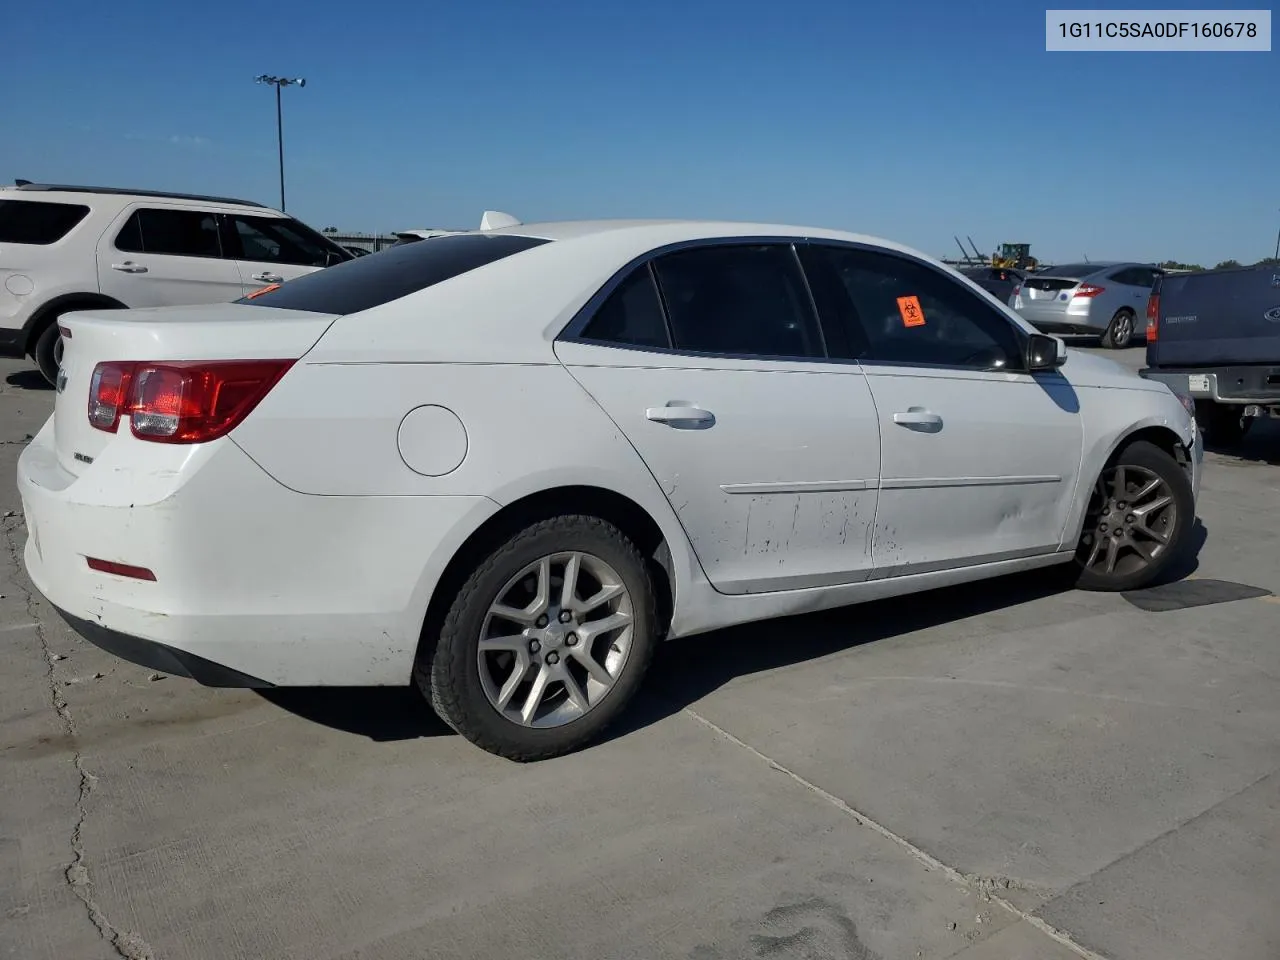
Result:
{"points": [[686, 670], [379, 713], [28, 380], [1260, 445]]}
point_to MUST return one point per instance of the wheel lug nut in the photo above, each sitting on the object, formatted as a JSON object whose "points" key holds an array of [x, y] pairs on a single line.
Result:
{"points": [[542, 621], [571, 639], [1102, 527], [535, 646], [565, 616], [1130, 519], [553, 658]]}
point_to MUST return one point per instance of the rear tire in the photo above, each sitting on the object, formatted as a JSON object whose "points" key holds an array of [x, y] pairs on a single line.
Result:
{"points": [[1138, 521], [1223, 424], [47, 352], [1119, 333], [549, 678]]}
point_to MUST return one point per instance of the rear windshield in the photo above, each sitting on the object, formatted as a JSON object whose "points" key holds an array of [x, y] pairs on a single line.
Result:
{"points": [[1072, 270], [37, 221], [396, 272]]}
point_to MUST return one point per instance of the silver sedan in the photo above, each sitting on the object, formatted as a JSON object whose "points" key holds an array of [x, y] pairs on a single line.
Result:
{"points": [[1095, 299]]}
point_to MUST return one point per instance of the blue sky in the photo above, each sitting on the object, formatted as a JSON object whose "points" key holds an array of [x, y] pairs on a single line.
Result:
{"points": [[909, 120]]}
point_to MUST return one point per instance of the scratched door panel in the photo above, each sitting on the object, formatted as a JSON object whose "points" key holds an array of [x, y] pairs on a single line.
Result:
{"points": [[776, 489], [992, 479]]}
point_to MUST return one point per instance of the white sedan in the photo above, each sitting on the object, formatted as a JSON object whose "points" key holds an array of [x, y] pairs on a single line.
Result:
{"points": [[505, 464]]}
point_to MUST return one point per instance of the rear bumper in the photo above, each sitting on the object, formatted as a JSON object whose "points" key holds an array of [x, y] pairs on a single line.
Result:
{"points": [[157, 656], [13, 342], [1071, 319], [254, 584], [1239, 385]]}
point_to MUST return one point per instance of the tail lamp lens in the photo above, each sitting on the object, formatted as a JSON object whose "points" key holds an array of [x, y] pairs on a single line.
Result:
{"points": [[180, 401], [1153, 317], [1089, 290]]}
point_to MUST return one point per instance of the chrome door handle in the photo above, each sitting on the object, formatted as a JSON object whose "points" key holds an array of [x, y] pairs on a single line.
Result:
{"points": [[265, 277], [677, 414], [917, 417], [129, 267]]}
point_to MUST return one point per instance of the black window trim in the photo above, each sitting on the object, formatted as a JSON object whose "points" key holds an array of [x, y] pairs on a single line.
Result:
{"points": [[218, 230], [572, 332]]}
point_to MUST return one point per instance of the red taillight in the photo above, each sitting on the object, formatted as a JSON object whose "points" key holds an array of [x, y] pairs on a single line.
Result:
{"points": [[119, 569], [1153, 317], [63, 332], [109, 394], [1088, 290], [180, 401]]}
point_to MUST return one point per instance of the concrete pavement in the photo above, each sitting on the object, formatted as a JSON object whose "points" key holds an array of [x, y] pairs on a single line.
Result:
{"points": [[1003, 771]]}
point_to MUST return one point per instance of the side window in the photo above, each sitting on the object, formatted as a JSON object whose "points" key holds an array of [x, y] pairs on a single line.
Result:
{"points": [[278, 241], [1143, 277], [632, 315], [743, 300], [909, 313], [178, 233], [1127, 276], [37, 222]]}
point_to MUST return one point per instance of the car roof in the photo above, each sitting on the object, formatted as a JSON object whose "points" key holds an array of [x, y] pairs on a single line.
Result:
{"points": [[650, 234], [26, 186]]}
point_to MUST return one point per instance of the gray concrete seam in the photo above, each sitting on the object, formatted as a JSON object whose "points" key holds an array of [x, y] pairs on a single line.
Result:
{"points": [[930, 862]]}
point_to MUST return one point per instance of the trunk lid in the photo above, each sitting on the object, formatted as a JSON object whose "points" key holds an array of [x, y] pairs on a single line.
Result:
{"points": [[223, 331], [1218, 317], [1038, 289]]}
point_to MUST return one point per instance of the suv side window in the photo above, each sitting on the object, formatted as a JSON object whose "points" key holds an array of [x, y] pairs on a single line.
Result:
{"points": [[38, 222], [278, 241], [178, 233], [632, 315], [740, 300], [909, 313]]}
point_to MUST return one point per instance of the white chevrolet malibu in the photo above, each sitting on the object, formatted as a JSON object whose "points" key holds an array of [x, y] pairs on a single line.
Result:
{"points": [[503, 465]]}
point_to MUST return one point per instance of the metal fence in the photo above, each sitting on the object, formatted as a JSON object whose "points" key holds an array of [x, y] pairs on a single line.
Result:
{"points": [[373, 242]]}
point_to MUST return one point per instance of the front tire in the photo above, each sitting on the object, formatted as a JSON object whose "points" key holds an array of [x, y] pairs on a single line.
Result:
{"points": [[546, 642], [1138, 521]]}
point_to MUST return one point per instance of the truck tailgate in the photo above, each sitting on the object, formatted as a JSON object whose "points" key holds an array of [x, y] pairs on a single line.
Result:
{"points": [[1219, 317]]}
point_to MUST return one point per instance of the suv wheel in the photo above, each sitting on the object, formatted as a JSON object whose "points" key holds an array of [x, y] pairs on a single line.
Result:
{"points": [[47, 352], [1137, 522], [546, 642]]}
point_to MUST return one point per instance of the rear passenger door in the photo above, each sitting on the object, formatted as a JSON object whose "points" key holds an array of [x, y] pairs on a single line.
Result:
{"points": [[712, 362], [979, 457], [156, 256], [273, 249]]}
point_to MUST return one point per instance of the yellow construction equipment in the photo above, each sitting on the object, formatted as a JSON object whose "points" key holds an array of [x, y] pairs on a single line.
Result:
{"points": [[1014, 255]]}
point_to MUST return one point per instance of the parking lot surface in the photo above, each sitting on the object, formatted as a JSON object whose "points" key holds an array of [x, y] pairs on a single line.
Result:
{"points": [[1006, 770]]}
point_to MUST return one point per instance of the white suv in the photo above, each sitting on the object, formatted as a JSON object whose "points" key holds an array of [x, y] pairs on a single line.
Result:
{"points": [[76, 248]]}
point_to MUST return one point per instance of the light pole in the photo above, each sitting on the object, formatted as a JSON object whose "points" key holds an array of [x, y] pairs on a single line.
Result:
{"points": [[279, 82]]}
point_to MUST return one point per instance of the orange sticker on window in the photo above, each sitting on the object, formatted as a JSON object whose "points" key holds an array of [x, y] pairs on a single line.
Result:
{"points": [[261, 290], [912, 315]]}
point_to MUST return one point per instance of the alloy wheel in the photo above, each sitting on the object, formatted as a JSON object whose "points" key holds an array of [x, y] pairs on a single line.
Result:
{"points": [[1130, 522], [555, 640]]}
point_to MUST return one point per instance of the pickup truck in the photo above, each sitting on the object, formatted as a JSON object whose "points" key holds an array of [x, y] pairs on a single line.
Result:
{"points": [[1214, 335]]}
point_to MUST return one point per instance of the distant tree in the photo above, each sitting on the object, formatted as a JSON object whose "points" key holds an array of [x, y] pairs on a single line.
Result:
{"points": [[1227, 264], [1178, 265], [329, 230], [1266, 260]]}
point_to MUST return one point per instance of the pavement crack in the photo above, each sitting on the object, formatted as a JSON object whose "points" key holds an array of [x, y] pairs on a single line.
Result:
{"points": [[983, 886], [126, 944]]}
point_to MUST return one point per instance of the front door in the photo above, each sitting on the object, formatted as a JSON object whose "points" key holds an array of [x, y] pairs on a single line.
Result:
{"points": [[155, 256], [768, 453], [273, 249], [980, 458]]}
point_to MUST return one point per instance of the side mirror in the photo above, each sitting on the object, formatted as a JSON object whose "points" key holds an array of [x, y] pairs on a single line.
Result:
{"points": [[1045, 353]]}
